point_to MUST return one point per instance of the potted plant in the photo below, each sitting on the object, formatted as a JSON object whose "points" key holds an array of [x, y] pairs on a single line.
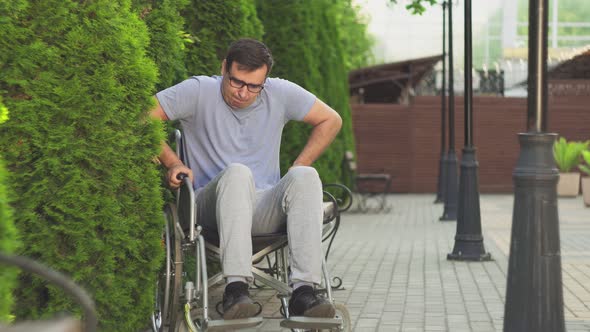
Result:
{"points": [[567, 156], [585, 167]]}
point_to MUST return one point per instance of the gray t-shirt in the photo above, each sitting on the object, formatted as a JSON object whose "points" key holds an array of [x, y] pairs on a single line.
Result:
{"points": [[216, 135]]}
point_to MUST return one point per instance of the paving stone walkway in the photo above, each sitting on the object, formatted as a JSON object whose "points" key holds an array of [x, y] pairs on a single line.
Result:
{"points": [[396, 276]]}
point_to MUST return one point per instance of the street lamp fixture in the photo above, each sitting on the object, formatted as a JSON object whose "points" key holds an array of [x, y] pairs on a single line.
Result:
{"points": [[450, 192], [534, 291], [441, 184]]}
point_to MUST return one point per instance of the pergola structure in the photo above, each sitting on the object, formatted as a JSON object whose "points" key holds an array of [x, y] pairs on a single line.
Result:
{"points": [[576, 68], [571, 77], [391, 82]]}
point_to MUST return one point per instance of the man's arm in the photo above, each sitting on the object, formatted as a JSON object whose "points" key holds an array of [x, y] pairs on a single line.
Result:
{"points": [[326, 124], [168, 157]]}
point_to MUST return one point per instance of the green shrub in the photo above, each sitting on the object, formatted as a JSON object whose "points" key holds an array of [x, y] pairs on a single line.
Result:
{"points": [[8, 239], [585, 167], [77, 80], [567, 154]]}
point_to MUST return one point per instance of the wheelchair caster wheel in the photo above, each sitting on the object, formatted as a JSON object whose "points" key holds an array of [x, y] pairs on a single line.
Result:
{"points": [[343, 313]]}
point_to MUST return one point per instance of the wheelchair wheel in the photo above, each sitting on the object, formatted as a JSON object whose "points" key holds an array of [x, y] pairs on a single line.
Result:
{"points": [[167, 311]]}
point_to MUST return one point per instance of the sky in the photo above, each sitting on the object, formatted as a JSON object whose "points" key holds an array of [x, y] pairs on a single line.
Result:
{"points": [[399, 35]]}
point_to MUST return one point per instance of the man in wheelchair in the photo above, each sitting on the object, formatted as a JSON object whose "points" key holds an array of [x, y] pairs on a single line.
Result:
{"points": [[232, 128]]}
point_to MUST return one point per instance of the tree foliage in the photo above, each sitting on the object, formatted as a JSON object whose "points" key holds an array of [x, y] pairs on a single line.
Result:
{"points": [[417, 7], [87, 202]]}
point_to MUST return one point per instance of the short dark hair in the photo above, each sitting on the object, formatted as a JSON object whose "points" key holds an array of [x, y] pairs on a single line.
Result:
{"points": [[250, 54]]}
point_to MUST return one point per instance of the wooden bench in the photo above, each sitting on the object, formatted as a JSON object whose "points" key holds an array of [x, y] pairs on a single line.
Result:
{"points": [[360, 183]]}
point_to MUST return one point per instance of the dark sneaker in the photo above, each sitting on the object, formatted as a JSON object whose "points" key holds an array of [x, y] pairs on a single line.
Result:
{"points": [[237, 302], [305, 302]]}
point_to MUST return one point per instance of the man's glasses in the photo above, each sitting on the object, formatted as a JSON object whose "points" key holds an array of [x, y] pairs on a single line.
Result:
{"points": [[238, 84]]}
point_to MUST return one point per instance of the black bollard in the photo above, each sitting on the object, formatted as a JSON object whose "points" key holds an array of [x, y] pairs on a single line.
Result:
{"points": [[534, 291]]}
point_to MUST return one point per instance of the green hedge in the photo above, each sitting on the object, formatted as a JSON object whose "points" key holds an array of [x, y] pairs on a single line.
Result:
{"points": [[8, 238], [7, 245], [167, 38], [77, 80], [214, 25]]}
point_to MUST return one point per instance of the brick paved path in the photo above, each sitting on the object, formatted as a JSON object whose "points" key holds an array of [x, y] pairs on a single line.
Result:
{"points": [[396, 276]]}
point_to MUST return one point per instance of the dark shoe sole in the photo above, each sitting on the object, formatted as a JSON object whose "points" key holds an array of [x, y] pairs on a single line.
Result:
{"points": [[324, 310], [242, 310]]}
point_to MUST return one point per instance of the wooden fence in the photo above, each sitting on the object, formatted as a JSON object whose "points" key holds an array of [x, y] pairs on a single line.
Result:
{"points": [[404, 140]]}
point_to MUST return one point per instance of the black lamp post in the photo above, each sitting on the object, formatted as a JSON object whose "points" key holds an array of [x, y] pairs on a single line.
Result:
{"points": [[468, 239], [534, 293], [441, 184], [450, 192]]}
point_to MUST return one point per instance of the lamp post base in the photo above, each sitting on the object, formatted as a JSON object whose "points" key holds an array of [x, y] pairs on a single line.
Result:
{"points": [[441, 179], [534, 291], [450, 210], [469, 248], [468, 239]]}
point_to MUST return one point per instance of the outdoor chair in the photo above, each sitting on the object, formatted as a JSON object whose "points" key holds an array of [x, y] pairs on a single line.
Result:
{"points": [[367, 200], [182, 293]]}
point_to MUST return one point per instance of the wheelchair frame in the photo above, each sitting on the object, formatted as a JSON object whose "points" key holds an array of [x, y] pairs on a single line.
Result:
{"points": [[177, 302]]}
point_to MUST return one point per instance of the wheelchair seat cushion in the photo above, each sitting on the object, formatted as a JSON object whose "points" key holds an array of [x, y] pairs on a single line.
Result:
{"points": [[261, 241]]}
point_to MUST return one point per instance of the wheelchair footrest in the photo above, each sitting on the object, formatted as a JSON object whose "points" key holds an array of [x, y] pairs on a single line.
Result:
{"points": [[299, 322], [233, 324]]}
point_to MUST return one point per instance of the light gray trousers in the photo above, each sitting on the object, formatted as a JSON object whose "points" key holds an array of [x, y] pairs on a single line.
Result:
{"points": [[231, 205]]}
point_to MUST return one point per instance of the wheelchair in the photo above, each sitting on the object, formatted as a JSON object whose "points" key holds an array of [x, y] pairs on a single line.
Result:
{"points": [[182, 288]]}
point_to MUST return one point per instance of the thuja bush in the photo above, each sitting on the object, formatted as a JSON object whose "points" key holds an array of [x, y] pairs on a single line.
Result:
{"points": [[214, 25], [8, 239], [79, 150], [294, 60], [167, 37]]}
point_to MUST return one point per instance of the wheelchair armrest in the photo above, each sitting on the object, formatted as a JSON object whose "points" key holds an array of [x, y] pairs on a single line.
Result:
{"points": [[186, 194]]}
